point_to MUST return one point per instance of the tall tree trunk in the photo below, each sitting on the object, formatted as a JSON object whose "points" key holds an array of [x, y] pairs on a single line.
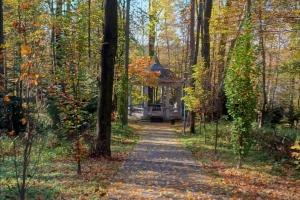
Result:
{"points": [[206, 36], [263, 72], [152, 26], [89, 31], [125, 117], [105, 78], [192, 55], [205, 41], [222, 66], [58, 33], [2, 70], [291, 101], [152, 37]]}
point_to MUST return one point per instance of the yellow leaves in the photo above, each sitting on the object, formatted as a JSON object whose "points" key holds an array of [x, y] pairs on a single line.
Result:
{"points": [[14, 80], [6, 99], [25, 50]]}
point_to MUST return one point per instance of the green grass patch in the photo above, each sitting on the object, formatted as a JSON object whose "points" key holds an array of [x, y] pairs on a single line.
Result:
{"points": [[260, 172], [56, 177]]}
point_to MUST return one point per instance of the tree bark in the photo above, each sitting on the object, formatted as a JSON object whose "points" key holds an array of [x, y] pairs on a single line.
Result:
{"points": [[2, 71], [263, 72], [192, 57], [125, 117], [152, 25], [205, 51], [59, 4], [105, 78], [206, 36]]}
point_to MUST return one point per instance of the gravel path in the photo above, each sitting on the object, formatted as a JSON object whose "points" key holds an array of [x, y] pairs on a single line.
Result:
{"points": [[160, 167]]}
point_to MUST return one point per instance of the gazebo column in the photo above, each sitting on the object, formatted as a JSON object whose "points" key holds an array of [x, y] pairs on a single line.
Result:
{"points": [[145, 111], [178, 99], [162, 94], [167, 103]]}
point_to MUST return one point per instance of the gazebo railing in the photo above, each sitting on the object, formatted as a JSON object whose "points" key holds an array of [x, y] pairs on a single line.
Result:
{"points": [[157, 111]]}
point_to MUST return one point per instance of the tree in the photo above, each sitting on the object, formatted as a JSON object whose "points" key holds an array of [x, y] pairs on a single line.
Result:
{"points": [[205, 35], [2, 79], [240, 90], [192, 55], [105, 78], [125, 83]]}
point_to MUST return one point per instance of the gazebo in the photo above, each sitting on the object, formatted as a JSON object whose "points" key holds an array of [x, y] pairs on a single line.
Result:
{"points": [[160, 110]]}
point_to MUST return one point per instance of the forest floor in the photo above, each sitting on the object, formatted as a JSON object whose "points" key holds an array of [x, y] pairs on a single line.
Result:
{"points": [[160, 167], [167, 165]]}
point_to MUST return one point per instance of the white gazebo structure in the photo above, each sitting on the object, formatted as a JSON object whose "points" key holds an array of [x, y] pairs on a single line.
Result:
{"points": [[162, 110]]}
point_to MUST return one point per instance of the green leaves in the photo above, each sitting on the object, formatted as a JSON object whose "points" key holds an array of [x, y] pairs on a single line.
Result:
{"points": [[241, 92]]}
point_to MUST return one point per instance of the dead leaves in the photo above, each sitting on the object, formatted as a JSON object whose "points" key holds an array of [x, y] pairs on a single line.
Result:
{"points": [[252, 183]]}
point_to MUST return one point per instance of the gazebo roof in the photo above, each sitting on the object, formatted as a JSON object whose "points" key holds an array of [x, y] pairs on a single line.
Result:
{"points": [[166, 75]]}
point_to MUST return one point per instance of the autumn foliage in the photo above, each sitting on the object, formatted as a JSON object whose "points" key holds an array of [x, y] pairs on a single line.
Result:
{"points": [[140, 72]]}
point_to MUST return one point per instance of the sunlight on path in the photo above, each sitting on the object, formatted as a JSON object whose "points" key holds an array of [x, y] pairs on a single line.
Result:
{"points": [[160, 167]]}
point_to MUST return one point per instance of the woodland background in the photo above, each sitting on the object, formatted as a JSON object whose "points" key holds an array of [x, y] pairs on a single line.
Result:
{"points": [[242, 60]]}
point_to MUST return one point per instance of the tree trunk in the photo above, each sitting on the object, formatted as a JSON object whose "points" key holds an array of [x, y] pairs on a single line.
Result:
{"points": [[105, 78], [263, 72], [89, 31], [206, 36], [58, 34], [192, 58], [152, 26], [222, 66], [152, 37], [125, 117], [2, 71], [205, 41]]}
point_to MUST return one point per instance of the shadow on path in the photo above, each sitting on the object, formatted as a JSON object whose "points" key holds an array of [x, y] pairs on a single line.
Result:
{"points": [[160, 167]]}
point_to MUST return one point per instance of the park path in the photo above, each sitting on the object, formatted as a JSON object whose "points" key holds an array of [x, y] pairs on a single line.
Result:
{"points": [[160, 167]]}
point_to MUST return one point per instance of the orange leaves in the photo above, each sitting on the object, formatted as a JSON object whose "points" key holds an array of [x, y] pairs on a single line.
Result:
{"points": [[11, 132], [6, 99], [23, 76], [33, 82], [139, 72], [80, 150], [26, 6], [15, 24], [33, 76], [25, 50], [24, 66], [23, 121], [36, 25]]}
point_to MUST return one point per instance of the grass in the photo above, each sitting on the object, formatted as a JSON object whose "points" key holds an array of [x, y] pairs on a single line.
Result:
{"points": [[261, 176], [56, 177]]}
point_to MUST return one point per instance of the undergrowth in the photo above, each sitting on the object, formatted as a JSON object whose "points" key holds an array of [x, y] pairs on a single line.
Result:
{"points": [[56, 177], [261, 176]]}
